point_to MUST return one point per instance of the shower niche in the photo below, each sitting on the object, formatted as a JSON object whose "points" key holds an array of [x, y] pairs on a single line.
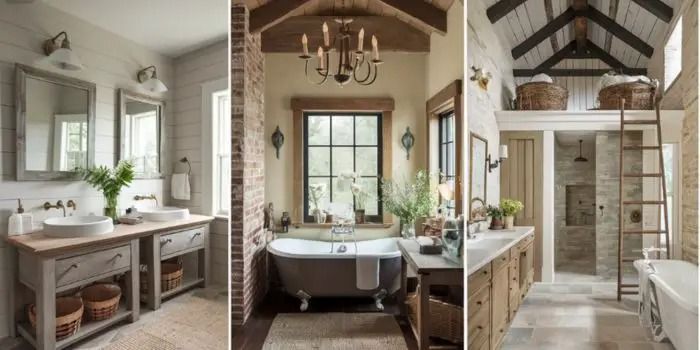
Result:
{"points": [[580, 205]]}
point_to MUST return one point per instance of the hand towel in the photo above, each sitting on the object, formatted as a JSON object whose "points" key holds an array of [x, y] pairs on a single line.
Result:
{"points": [[367, 272], [644, 270], [180, 186]]}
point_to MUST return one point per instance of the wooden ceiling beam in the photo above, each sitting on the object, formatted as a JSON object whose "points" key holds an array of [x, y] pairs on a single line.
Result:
{"points": [[556, 57], [548, 30], [619, 31], [502, 8], [272, 13], [612, 13], [392, 33], [577, 72], [549, 12], [593, 51], [580, 25], [657, 8], [422, 11]]}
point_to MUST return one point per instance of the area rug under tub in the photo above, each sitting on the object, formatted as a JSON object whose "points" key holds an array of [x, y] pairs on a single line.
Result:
{"points": [[334, 331]]}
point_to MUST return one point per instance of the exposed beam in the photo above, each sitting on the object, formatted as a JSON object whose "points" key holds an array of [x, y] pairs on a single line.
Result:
{"points": [[580, 25], [421, 11], [612, 13], [619, 31], [657, 8], [549, 12], [272, 13], [549, 29], [393, 34], [556, 57], [593, 51], [501, 8], [577, 72]]}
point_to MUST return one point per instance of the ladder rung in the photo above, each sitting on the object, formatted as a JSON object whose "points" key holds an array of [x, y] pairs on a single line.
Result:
{"points": [[644, 232], [628, 292], [641, 175], [630, 259], [643, 148], [640, 122], [644, 202], [629, 286]]}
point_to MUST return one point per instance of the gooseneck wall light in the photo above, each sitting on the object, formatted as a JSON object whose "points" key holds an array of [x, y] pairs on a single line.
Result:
{"points": [[149, 80], [60, 53]]}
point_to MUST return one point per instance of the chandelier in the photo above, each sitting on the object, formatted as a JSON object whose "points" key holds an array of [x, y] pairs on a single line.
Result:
{"points": [[357, 65]]}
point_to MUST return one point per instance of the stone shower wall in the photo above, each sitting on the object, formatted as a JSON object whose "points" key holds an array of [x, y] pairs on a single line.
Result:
{"points": [[248, 259], [575, 243], [607, 194]]}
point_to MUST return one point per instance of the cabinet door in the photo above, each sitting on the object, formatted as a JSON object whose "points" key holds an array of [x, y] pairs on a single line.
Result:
{"points": [[527, 269], [500, 298]]}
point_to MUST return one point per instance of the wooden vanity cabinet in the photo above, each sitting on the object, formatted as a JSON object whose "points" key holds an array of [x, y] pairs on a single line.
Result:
{"points": [[500, 294]]}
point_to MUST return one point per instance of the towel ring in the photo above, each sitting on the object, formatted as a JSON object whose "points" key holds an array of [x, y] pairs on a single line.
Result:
{"points": [[185, 160]]}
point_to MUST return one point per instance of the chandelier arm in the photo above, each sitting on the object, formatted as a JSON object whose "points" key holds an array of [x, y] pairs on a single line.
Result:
{"points": [[369, 71], [306, 74], [376, 73]]}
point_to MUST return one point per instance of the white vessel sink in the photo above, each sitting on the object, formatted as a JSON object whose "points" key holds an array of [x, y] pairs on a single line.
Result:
{"points": [[165, 214], [78, 226]]}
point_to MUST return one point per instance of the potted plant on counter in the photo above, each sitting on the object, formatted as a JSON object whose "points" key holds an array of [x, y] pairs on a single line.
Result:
{"points": [[110, 182], [316, 192], [360, 201], [510, 207], [409, 200], [496, 215]]}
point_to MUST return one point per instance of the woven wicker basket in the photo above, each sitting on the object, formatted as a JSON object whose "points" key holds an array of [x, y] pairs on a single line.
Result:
{"points": [[446, 319], [69, 313], [541, 96], [170, 277], [637, 95], [101, 301]]}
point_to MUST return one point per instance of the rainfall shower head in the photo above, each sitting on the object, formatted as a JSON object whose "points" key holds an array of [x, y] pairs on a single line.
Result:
{"points": [[580, 157]]}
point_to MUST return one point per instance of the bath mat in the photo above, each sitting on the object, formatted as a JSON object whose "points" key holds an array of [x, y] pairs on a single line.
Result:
{"points": [[140, 340], [334, 331]]}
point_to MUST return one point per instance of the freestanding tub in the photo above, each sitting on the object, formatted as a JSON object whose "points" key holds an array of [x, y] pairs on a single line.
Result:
{"points": [[676, 285], [310, 269]]}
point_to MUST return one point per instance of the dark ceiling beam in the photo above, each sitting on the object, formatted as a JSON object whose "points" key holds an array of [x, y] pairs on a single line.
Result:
{"points": [[549, 12], [657, 8], [556, 58], [549, 29], [593, 51], [422, 11], [272, 13], [619, 31], [502, 8], [577, 72], [612, 13], [580, 25]]}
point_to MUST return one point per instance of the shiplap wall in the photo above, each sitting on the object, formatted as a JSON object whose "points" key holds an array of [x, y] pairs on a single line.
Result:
{"points": [[191, 71], [111, 62]]}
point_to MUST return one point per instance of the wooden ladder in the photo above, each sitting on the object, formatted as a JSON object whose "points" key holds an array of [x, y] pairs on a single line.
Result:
{"points": [[662, 202]]}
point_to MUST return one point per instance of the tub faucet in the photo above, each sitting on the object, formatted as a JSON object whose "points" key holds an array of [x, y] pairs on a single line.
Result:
{"points": [[58, 205], [646, 251]]}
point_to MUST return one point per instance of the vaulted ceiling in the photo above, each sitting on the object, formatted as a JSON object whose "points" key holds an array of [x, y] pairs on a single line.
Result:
{"points": [[546, 34], [400, 25]]}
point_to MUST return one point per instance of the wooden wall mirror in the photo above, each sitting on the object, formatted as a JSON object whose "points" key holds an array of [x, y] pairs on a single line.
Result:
{"points": [[141, 125], [55, 125], [478, 172]]}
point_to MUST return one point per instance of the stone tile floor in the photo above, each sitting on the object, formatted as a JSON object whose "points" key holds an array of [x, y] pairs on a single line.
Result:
{"points": [[578, 316]]}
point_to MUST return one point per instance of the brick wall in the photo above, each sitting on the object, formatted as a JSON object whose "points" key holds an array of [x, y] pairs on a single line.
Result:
{"points": [[248, 270]]}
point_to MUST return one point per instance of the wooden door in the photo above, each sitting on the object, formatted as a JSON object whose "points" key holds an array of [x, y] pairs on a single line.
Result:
{"points": [[521, 179], [499, 305]]}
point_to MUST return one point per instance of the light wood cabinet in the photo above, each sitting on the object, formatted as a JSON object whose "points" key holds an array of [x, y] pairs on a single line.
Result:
{"points": [[500, 295]]}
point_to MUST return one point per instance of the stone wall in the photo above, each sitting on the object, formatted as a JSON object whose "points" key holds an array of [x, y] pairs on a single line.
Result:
{"points": [[248, 259], [607, 194], [575, 240]]}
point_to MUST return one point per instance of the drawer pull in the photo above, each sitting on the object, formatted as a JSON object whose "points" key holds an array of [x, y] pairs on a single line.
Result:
{"points": [[503, 258], [479, 327], [166, 241], [486, 272], [501, 330], [195, 235], [118, 256], [74, 266], [478, 303]]}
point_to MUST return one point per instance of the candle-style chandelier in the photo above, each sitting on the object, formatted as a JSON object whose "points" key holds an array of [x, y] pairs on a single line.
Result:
{"points": [[352, 64]]}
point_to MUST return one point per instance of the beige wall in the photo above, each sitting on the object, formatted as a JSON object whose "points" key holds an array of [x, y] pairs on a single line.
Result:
{"points": [[402, 77], [446, 57]]}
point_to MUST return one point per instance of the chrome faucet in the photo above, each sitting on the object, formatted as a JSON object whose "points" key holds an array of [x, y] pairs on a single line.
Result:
{"points": [[471, 235], [72, 204], [140, 197], [58, 205]]}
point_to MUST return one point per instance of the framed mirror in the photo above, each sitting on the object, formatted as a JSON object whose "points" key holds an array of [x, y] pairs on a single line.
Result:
{"points": [[478, 173], [55, 125], [141, 133]]}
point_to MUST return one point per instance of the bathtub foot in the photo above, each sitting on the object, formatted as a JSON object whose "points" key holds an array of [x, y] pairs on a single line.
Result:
{"points": [[304, 297], [378, 299]]}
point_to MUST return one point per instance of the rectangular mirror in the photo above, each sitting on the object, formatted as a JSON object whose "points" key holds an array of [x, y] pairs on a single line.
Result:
{"points": [[477, 170], [142, 125], [55, 125]]}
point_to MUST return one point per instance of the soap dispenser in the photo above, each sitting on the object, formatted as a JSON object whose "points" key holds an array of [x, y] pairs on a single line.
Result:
{"points": [[20, 222]]}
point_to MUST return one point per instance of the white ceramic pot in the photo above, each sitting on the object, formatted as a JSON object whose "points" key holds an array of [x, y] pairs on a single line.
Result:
{"points": [[508, 222]]}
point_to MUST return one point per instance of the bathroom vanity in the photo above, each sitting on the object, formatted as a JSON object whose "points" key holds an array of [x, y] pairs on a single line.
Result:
{"points": [[48, 266], [501, 271]]}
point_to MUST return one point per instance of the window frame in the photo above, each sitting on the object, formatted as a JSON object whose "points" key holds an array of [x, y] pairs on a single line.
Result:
{"points": [[444, 140], [308, 218], [210, 199], [678, 25]]}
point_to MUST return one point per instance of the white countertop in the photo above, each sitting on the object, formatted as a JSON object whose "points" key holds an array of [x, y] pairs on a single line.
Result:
{"points": [[490, 244]]}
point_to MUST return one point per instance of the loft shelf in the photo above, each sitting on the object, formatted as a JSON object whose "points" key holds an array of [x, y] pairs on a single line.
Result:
{"points": [[583, 120]]}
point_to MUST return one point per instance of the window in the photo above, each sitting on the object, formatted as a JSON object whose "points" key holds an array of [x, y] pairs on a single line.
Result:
{"points": [[142, 146], [446, 150], [670, 163], [216, 148], [70, 141], [338, 144], [673, 55]]}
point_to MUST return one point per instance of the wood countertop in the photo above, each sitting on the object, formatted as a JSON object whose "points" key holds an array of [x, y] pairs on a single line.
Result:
{"points": [[38, 243], [425, 263]]}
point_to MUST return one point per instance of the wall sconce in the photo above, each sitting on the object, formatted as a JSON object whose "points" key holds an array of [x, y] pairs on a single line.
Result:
{"points": [[407, 141], [60, 54], [502, 155], [481, 77], [277, 140], [149, 80]]}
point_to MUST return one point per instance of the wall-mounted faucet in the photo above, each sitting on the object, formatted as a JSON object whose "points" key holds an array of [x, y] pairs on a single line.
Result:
{"points": [[72, 204], [140, 197], [58, 205]]}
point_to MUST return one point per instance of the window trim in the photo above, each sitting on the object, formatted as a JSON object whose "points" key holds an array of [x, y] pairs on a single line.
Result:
{"points": [[209, 201], [678, 24], [302, 105], [444, 140]]}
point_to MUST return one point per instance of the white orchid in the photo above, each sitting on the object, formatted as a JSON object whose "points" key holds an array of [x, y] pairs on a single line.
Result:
{"points": [[360, 195], [316, 192]]}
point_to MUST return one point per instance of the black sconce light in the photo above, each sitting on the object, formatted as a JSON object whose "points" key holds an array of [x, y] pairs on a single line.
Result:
{"points": [[277, 140], [502, 155]]}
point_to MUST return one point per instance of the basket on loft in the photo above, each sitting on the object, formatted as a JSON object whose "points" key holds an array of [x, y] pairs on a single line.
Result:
{"points": [[541, 96]]}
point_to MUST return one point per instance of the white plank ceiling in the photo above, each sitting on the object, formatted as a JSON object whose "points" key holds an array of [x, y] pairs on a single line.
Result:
{"points": [[529, 17]]}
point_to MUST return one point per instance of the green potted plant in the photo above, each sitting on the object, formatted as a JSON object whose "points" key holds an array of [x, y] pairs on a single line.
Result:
{"points": [[510, 207], [409, 200], [110, 182], [361, 197], [316, 192], [496, 215]]}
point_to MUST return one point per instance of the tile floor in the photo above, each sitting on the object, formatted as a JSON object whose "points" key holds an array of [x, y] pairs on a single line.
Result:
{"points": [[575, 316]]}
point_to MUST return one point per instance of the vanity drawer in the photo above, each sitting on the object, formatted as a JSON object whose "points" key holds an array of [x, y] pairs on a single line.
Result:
{"points": [[183, 240], [479, 302], [478, 279], [500, 261], [479, 325], [525, 241], [81, 267]]}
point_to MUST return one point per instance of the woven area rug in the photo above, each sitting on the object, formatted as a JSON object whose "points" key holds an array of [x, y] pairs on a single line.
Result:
{"points": [[334, 331]]}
